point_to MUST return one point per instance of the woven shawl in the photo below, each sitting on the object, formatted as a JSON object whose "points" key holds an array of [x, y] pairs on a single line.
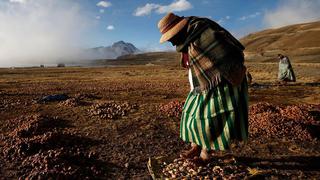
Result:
{"points": [[213, 53]]}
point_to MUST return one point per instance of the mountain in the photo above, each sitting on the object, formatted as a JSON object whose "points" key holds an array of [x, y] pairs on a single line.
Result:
{"points": [[117, 49], [301, 42]]}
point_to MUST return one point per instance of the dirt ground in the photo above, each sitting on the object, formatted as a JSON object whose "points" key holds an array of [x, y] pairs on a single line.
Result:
{"points": [[114, 118]]}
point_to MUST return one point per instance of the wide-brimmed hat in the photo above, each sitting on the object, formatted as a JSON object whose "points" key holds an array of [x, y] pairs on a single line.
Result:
{"points": [[170, 25]]}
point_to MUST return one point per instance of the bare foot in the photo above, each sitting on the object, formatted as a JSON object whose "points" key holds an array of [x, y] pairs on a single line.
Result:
{"points": [[193, 152], [202, 159], [204, 155]]}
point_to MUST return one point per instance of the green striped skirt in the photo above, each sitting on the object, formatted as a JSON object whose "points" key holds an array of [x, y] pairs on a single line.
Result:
{"points": [[214, 118]]}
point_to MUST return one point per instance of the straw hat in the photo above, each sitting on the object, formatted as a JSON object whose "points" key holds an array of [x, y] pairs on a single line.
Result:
{"points": [[170, 25]]}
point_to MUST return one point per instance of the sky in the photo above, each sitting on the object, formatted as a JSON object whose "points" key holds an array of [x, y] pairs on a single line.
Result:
{"points": [[47, 30]]}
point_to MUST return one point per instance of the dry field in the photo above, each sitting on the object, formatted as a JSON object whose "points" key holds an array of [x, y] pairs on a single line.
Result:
{"points": [[114, 118]]}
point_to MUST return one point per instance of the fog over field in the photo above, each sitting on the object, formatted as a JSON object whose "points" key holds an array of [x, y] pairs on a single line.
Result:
{"points": [[41, 31]]}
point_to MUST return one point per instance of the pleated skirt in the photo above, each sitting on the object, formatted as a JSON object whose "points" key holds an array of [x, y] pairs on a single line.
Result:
{"points": [[214, 118]]}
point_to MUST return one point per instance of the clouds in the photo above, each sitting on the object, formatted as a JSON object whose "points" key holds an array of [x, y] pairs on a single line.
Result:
{"points": [[177, 5], [110, 27], [254, 15], [104, 4], [18, 1], [222, 20], [41, 31], [292, 12], [146, 9]]}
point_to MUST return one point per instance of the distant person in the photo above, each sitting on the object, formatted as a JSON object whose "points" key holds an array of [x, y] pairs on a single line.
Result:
{"points": [[216, 109], [285, 73]]}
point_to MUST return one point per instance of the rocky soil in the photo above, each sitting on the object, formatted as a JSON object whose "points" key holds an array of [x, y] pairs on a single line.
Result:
{"points": [[115, 119]]}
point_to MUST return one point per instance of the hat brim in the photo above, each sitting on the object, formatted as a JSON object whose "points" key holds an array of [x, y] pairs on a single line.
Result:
{"points": [[173, 31]]}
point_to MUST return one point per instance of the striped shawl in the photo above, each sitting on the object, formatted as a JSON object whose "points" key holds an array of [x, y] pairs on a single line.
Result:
{"points": [[213, 54]]}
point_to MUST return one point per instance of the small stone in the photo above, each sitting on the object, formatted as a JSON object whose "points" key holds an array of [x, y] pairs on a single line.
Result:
{"points": [[126, 165]]}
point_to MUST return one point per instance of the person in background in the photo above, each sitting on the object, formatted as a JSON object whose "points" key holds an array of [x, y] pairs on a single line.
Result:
{"points": [[216, 109], [285, 73]]}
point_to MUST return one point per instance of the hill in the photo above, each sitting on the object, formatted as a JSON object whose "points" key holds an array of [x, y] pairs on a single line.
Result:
{"points": [[151, 58], [301, 42]]}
